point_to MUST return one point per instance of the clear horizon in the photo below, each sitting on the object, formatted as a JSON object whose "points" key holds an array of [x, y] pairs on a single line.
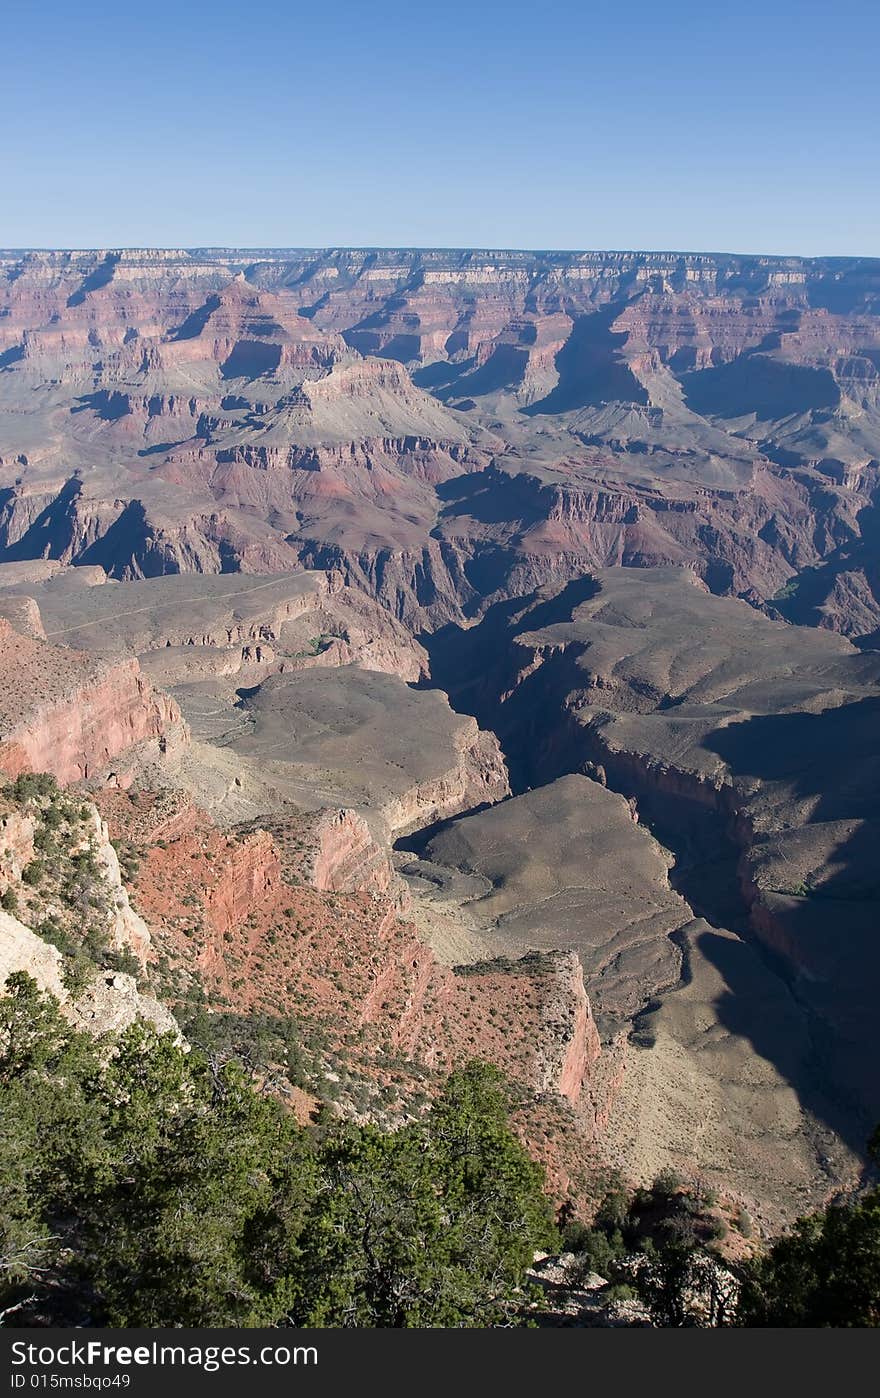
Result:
{"points": [[437, 247], [491, 126]]}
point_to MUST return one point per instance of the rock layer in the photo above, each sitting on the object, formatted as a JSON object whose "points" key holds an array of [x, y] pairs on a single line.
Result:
{"points": [[442, 427], [70, 715]]}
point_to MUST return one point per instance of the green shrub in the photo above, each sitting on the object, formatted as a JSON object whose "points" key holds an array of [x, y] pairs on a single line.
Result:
{"points": [[77, 973], [619, 1291], [743, 1222], [31, 785], [124, 960], [667, 1183], [614, 1209], [191, 1199]]}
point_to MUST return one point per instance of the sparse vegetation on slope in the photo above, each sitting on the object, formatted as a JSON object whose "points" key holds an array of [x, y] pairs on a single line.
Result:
{"points": [[825, 1272], [146, 1186], [667, 1245], [64, 891]]}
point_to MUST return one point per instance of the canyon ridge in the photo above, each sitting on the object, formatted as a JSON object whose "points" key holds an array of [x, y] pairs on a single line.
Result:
{"points": [[467, 654]]}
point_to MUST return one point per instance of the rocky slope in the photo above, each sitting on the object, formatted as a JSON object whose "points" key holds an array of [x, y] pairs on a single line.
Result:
{"points": [[345, 736], [337, 852], [287, 922], [66, 918], [566, 866], [306, 916], [749, 747], [109, 1003]]}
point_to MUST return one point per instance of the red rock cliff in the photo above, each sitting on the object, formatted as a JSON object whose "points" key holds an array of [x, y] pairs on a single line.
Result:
{"points": [[66, 713]]}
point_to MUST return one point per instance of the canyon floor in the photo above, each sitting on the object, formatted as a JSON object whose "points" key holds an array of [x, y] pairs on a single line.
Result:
{"points": [[466, 654]]}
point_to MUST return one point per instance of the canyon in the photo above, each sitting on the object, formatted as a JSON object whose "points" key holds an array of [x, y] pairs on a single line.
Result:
{"points": [[477, 655], [447, 429]]}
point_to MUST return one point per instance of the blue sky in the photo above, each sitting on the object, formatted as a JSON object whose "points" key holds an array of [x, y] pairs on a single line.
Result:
{"points": [[744, 126]]}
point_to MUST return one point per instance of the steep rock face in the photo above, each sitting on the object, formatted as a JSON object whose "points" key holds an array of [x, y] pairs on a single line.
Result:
{"points": [[128, 931], [108, 1004], [251, 874], [479, 776], [16, 846], [22, 950], [424, 586], [333, 851], [69, 715], [355, 630], [23, 616], [568, 1042], [46, 838], [346, 857]]}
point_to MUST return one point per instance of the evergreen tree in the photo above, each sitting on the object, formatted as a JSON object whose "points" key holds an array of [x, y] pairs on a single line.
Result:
{"points": [[144, 1185], [826, 1272], [433, 1225]]}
